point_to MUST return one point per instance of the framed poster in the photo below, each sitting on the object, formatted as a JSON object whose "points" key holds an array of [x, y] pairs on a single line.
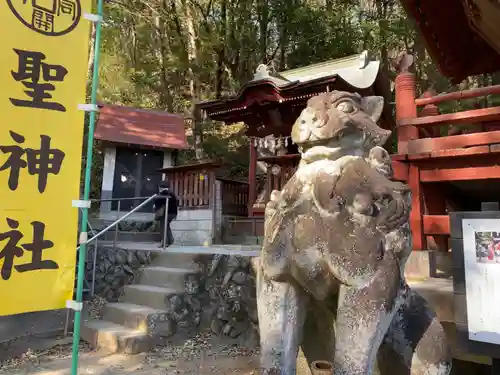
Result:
{"points": [[475, 244], [481, 244]]}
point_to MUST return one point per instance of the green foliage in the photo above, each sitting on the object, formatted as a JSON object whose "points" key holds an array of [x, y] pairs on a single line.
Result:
{"points": [[165, 54]]}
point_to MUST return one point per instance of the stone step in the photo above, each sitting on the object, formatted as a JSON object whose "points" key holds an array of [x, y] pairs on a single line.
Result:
{"points": [[166, 276], [140, 318], [132, 236], [147, 295], [172, 255], [114, 338], [439, 293], [174, 260], [242, 240]]}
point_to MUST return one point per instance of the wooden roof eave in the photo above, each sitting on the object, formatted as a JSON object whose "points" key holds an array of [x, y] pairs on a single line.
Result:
{"points": [[202, 165], [230, 110], [455, 47], [223, 104], [282, 92]]}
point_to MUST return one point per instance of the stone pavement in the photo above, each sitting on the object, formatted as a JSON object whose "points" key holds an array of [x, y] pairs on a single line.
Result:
{"points": [[22, 331], [203, 355]]}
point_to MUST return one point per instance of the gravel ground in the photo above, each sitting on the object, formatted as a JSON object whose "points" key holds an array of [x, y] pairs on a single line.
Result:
{"points": [[201, 355]]}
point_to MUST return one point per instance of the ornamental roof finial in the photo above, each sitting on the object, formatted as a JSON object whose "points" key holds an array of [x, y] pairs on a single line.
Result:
{"points": [[262, 72]]}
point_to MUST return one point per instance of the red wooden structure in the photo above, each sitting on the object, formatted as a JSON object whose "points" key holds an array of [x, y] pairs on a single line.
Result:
{"points": [[269, 105], [462, 36], [448, 171]]}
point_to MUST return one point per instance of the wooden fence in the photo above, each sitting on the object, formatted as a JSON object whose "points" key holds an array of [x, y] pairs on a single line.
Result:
{"points": [[194, 184], [234, 197]]}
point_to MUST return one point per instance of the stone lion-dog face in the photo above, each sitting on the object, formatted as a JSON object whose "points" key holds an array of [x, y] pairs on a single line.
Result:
{"points": [[338, 123]]}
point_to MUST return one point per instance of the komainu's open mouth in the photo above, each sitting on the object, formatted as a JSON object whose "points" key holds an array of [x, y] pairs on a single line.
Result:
{"points": [[320, 153], [343, 140]]}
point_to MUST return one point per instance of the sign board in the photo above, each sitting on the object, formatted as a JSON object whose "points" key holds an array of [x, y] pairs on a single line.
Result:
{"points": [[43, 71], [476, 261]]}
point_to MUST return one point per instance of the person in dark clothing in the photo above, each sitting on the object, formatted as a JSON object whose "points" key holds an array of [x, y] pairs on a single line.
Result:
{"points": [[169, 214]]}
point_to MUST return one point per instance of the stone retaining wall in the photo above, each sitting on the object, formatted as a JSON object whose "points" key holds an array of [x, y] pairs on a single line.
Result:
{"points": [[220, 297], [116, 268], [226, 291]]}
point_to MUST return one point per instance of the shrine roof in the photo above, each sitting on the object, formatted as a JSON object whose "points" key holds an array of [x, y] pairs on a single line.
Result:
{"points": [[357, 70], [456, 47], [140, 127], [353, 73]]}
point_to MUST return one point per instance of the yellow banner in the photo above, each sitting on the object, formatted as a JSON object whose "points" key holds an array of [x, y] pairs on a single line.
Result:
{"points": [[43, 68]]}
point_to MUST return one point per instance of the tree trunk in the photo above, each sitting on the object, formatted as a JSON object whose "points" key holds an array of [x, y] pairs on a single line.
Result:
{"points": [[221, 53], [383, 9], [166, 99], [263, 7], [90, 64], [194, 87]]}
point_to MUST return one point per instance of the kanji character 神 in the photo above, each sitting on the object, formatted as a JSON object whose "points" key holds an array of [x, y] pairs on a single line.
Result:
{"points": [[12, 250], [41, 162], [31, 70]]}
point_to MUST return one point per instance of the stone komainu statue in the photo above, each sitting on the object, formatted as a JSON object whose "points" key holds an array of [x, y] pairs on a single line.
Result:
{"points": [[331, 272]]}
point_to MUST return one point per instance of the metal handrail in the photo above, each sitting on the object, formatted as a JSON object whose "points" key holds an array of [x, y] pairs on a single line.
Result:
{"points": [[94, 260], [119, 199], [117, 221], [95, 237]]}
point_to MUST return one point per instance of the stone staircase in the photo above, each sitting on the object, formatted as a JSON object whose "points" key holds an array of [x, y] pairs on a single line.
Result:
{"points": [[140, 317]]}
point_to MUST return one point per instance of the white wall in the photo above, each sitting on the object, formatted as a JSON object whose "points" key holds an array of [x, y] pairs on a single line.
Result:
{"points": [[108, 175], [167, 161], [193, 227], [196, 227]]}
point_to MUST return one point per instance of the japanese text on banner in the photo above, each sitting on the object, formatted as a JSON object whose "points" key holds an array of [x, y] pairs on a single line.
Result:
{"points": [[43, 70]]}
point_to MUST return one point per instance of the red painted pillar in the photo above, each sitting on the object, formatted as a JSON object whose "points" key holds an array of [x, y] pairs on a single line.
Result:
{"points": [[252, 177], [417, 208], [405, 109]]}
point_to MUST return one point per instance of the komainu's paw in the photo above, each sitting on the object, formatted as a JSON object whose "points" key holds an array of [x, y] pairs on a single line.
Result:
{"points": [[272, 205], [275, 195], [380, 159]]}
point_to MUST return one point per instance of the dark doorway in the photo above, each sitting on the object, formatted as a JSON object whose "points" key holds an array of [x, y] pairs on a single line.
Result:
{"points": [[136, 175]]}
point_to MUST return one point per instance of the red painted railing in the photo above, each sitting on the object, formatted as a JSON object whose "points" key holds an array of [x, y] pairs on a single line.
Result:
{"points": [[429, 156]]}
